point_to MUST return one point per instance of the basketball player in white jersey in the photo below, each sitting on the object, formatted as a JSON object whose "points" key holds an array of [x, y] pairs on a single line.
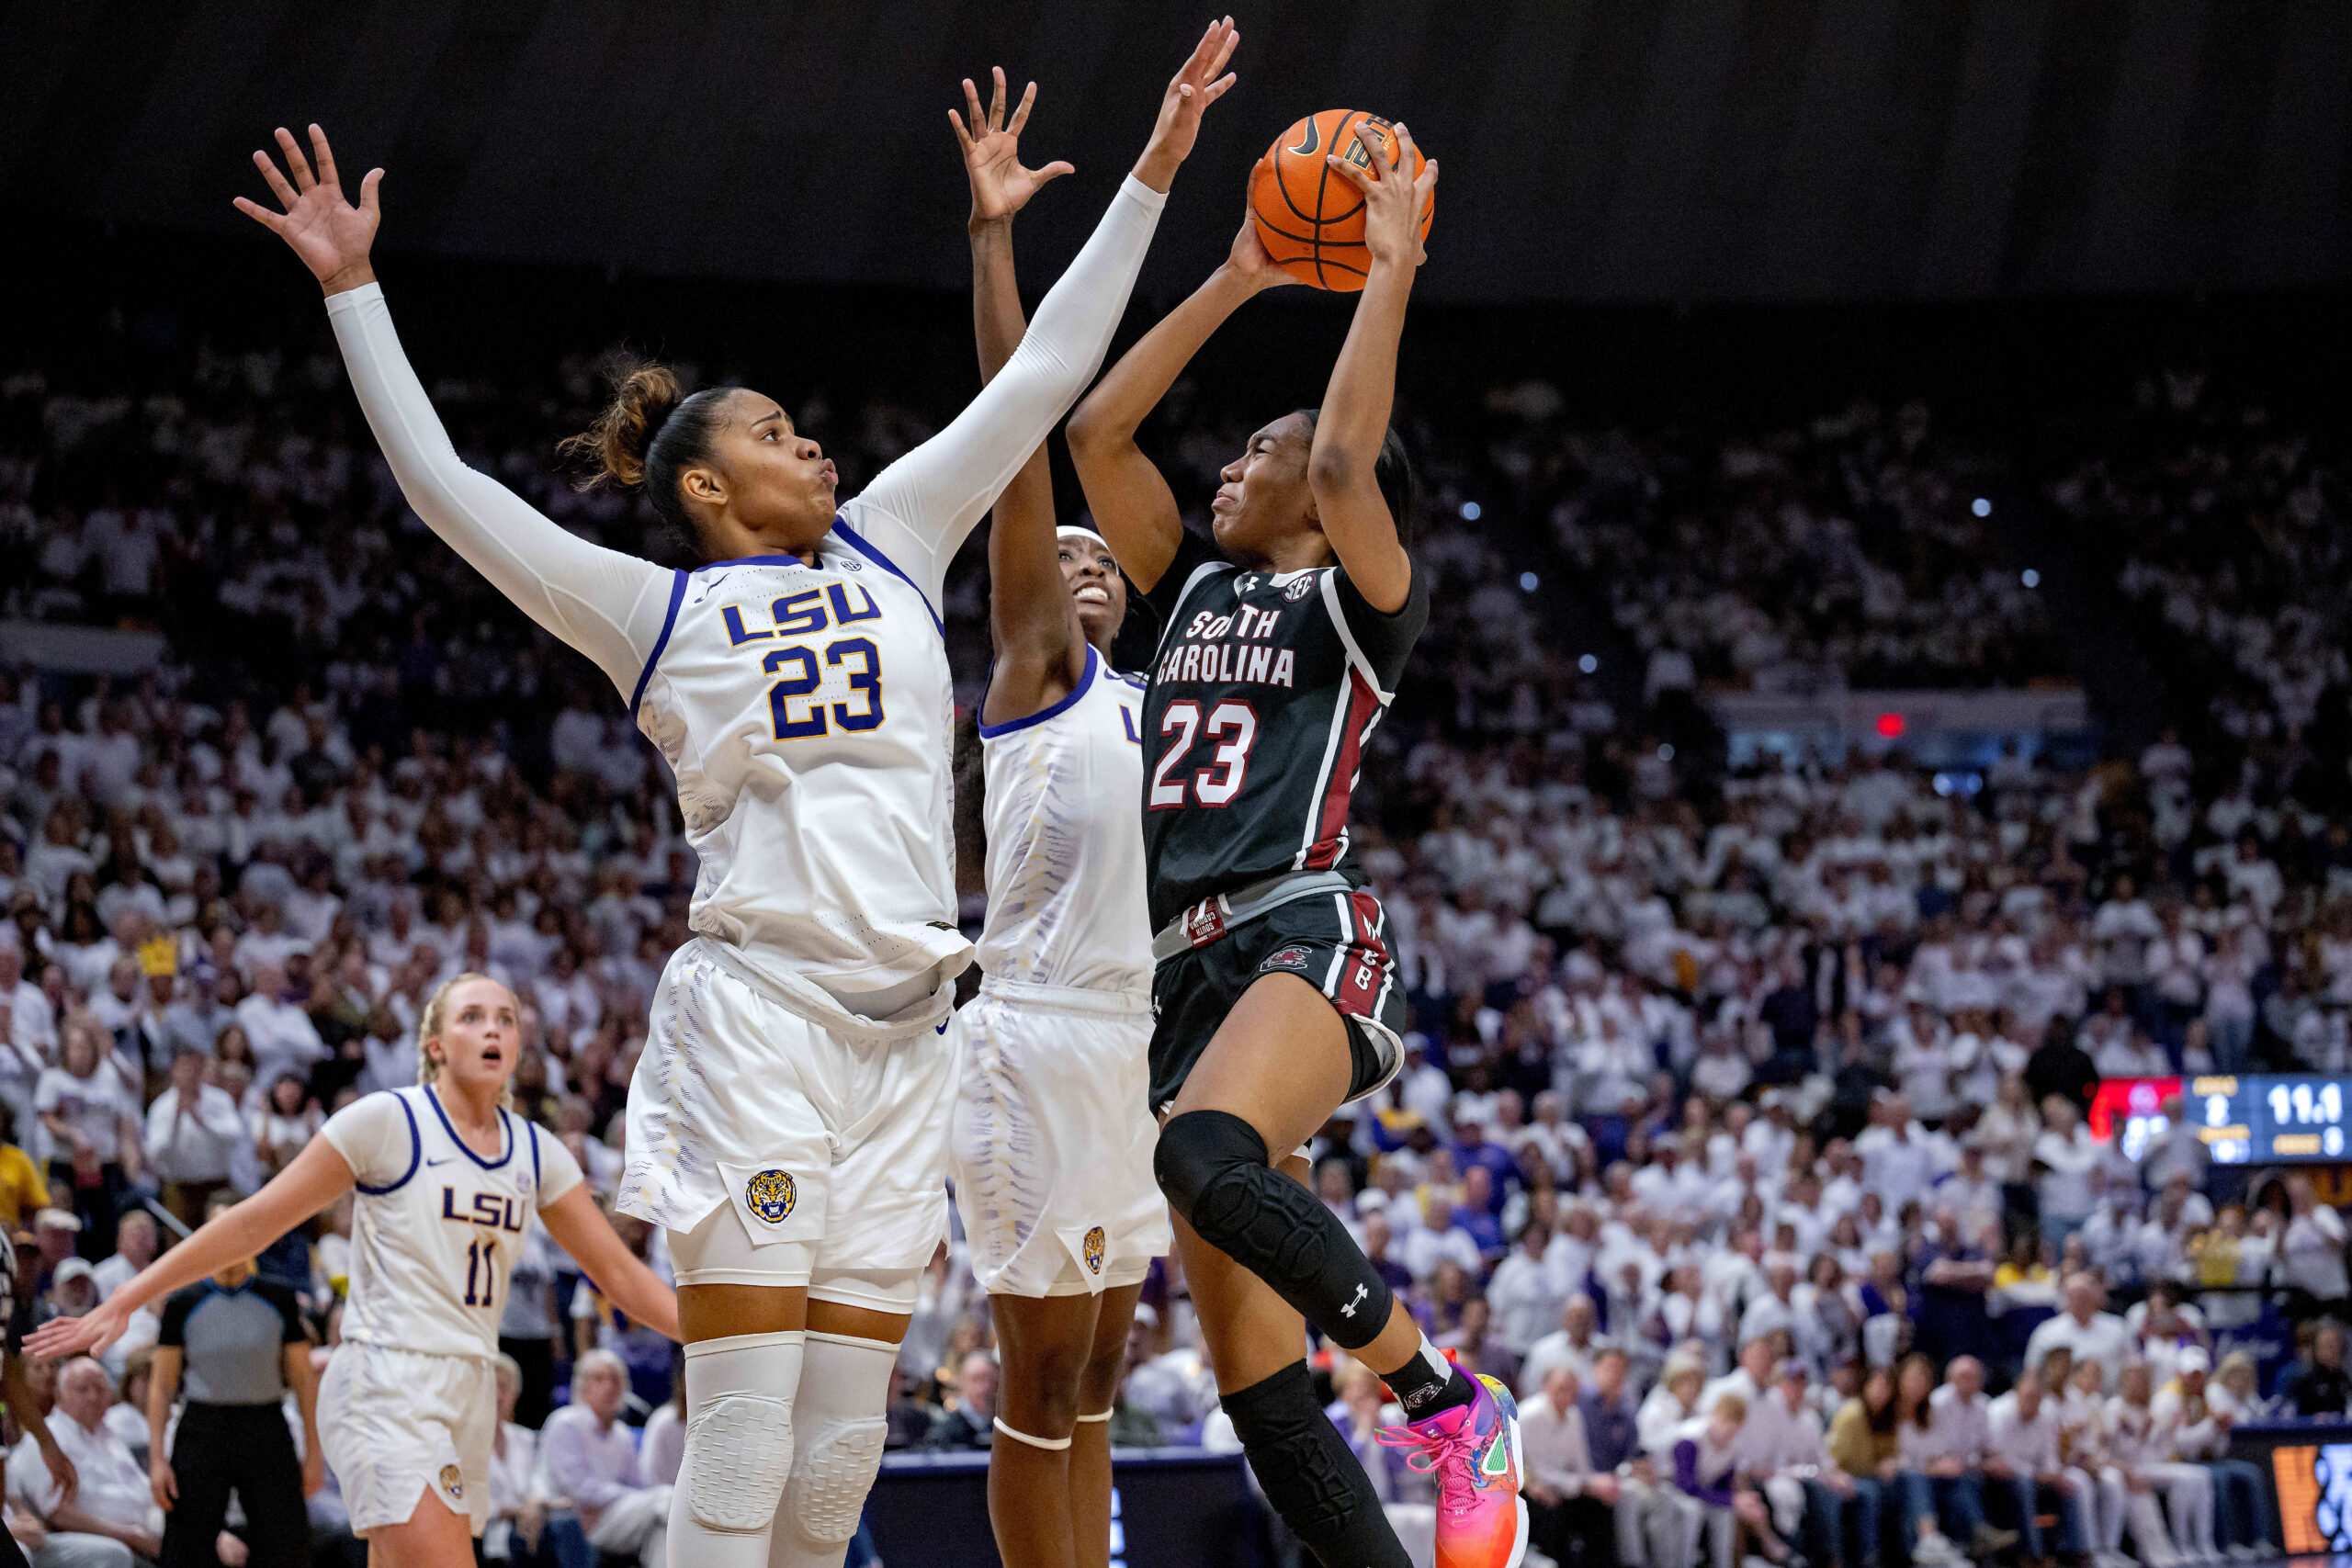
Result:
{"points": [[1054, 1132], [448, 1179], [787, 1122]]}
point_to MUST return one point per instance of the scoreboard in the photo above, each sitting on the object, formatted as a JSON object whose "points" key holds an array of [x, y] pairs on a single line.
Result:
{"points": [[2267, 1119]]}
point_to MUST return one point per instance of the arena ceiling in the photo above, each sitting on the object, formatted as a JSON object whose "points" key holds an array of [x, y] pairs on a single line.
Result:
{"points": [[1593, 149]]}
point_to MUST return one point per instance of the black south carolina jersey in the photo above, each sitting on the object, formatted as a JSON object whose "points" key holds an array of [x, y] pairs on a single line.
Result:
{"points": [[1263, 691]]}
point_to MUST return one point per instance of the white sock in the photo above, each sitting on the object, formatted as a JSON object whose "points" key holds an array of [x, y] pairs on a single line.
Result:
{"points": [[740, 1394], [842, 1418]]}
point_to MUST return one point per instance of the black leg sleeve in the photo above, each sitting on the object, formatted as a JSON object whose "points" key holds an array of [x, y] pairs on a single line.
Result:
{"points": [[1311, 1475]]}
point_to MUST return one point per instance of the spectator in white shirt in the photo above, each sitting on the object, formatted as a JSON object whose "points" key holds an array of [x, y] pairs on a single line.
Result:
{"points": [[517, 1511], [2021, 1457], [2310, 1249], [1898, 1162], [2084, 1329], [1524, 1293], [193, 1132], [282, 1036], [135, 1245], [591, 1462], [1942, 1436], [1572, 1345], [2177, 1147], [1781, 1447], [2065, 1154], [1567, 1499], [111, 1520]]}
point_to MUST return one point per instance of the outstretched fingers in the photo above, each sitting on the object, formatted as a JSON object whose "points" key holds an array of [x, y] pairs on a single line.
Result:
{"points": [[258, 213], [996, 99], [374, 177], [278, 188], [327, 177], [296, 165], [963, 137], [1021, 112]]}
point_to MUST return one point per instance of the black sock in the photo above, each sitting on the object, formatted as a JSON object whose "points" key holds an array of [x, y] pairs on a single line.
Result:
{"points": [[1429, 1383]]}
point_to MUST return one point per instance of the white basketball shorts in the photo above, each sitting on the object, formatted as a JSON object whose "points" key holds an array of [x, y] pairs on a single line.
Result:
{"points": [[397, 1423], [829, 1149], [1054, 1139]]}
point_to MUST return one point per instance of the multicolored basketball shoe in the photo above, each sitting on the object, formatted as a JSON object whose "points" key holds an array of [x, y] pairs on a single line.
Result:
{"points": [[1472, 1452]]}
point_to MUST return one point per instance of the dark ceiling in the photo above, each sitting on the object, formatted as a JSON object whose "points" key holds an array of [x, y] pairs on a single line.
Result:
{"points": [[1594, 150]]}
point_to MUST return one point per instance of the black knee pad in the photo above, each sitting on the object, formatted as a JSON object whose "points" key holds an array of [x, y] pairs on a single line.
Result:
{"points": [[1213, 1168], [1308, 1473]]}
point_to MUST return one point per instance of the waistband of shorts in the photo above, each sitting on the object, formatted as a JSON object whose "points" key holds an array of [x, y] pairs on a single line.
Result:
{"points": [[806, 1000], [1069, 999], [1212, 917], [485, 1359]]}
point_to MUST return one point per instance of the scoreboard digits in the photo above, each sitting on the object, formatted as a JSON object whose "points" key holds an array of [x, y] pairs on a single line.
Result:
{"points": [[2267, 1120]]}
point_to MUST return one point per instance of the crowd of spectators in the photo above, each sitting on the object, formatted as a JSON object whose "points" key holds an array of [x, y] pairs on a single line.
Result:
{"points": [[1756, 1086]]}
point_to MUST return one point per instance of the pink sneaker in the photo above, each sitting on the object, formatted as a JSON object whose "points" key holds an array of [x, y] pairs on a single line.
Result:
{"points": [[1473, 1450]]}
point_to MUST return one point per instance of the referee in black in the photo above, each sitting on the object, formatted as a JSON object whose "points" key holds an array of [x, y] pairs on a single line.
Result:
{"points": [[236, 1341]]}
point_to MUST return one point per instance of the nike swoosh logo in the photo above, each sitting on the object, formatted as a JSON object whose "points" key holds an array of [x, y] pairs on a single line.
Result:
{"points": [[1314, 138], [444, 1160]]}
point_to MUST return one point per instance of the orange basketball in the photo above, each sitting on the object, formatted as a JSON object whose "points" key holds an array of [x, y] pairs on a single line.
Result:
{"points": [[1310, 220]]}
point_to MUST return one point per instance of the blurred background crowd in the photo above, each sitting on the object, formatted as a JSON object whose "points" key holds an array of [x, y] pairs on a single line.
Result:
{"points": [[1797, 1048]]}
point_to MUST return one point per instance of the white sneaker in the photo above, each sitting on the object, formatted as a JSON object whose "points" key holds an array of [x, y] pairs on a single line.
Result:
{"points": [[1936, 1552]]}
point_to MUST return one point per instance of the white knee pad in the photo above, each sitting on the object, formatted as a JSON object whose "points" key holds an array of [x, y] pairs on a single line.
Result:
{"points": [[739, 1393], [844, 1396]]}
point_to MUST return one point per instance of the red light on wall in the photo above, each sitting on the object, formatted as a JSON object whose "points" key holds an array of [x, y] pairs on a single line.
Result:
{"points": [[1889, 725]]}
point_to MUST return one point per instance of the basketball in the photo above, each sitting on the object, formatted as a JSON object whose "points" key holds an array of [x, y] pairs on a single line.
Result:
{"points": [[1310, 220]]}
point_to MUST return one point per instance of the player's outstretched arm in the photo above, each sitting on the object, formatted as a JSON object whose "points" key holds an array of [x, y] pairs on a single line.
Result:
{"points": [[1354, 422], [924, 504], [582, 1230], [318, 1175], [1040, 650], [1124, 491], [608, 606]]}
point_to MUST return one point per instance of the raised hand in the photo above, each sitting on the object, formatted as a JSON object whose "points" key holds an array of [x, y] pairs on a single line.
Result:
{"points": [[1190, 92], [1001, 185], [1393, 201], [331, 236]]}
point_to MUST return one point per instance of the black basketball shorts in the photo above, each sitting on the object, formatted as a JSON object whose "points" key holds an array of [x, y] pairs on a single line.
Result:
{"points": [[1335, 941]]}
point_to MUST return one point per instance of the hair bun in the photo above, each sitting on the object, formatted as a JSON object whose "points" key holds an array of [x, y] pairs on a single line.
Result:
{"points": [[643, 394]]}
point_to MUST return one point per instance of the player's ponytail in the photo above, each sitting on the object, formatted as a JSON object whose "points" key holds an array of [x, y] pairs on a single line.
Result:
{"points": [[428, 1027], [647, 434]]}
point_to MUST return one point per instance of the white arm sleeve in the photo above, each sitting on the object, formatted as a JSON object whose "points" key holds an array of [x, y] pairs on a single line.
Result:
{"points": [[918, 509], [608, 606], [377, 1137]]}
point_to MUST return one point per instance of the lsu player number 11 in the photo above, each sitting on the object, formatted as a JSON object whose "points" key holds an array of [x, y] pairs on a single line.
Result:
{"points": [[448, 1179]]}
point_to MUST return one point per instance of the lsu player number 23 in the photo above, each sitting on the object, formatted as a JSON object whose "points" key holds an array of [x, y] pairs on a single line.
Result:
{"points": [[447, 1180]]}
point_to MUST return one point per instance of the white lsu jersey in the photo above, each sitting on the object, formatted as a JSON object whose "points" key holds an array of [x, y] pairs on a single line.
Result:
{"points": [[1064, 844], [435, 1228], [809, 713]]}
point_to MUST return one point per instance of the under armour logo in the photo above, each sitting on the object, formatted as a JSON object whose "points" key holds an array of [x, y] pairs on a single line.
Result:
{"points": [[1354, 1302]]}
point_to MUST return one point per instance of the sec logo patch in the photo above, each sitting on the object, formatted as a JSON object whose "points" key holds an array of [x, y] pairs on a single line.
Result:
{"points": [[1094, 1245], [1300, 589], [770, 1196], [453, 1483]]}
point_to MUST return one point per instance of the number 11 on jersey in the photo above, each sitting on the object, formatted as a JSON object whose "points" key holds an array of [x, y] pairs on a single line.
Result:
{"points": [[481, 1271]]}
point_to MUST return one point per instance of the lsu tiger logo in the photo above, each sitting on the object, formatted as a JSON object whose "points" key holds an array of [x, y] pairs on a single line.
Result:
{"points": [[770, 1195], [1093, 1246], [453, 1483]]}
